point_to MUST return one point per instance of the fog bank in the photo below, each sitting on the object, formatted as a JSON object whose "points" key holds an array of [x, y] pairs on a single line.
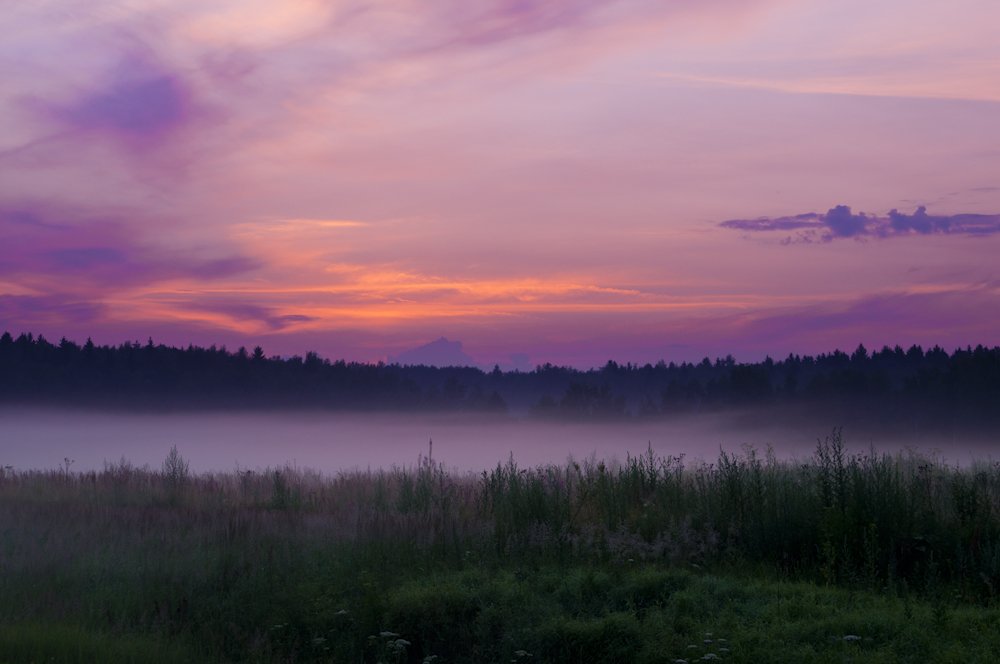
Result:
{"points": [[329, 443]]}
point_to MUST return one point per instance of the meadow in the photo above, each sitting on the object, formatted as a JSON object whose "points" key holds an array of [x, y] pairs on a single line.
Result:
{"points": [[838, 557]]}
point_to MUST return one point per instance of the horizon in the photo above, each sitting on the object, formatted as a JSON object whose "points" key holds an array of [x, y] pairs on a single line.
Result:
{"points": [[431, 354], [545, 184]]}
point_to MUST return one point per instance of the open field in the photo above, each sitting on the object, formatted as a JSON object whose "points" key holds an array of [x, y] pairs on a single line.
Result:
{"points": [[748, 559]]}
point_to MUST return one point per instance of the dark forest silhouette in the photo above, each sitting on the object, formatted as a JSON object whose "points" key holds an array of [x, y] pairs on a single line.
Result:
{"points": [[917, 385]]}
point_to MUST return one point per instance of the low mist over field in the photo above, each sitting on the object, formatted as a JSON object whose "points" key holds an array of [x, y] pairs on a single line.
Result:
{"points": [[329, 443], [94, 403]]}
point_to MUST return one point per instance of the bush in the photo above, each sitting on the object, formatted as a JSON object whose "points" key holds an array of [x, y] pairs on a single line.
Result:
{"points": [[175, 469]]}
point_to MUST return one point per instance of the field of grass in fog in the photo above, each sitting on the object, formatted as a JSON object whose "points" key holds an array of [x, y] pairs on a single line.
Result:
{"points": [[872, 557], [42, 438]]}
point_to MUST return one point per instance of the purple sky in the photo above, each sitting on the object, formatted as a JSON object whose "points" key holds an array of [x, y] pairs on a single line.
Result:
{"points": [[559, 181]]}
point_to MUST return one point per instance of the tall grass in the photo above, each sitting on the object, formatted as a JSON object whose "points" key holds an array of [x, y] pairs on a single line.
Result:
{"points": [[227, 558], [870, 519], [859, 519]]}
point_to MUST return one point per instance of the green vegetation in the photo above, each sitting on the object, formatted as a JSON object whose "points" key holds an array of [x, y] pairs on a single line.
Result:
{"points": [[864, 558]]}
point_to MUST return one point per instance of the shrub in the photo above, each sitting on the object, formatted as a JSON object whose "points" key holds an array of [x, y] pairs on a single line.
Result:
{"points": [[175, 469]]}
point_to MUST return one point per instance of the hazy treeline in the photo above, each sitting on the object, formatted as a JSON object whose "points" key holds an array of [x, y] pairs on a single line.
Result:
{"points": [[964, 384]]}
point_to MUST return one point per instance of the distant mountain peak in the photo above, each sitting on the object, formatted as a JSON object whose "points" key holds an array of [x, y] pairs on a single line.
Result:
{"points": [[438, 353]]}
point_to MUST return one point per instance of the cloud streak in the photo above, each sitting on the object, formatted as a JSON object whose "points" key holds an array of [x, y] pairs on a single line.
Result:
{"points": [[30, 310], [68, 251], [841, 222], [243, 312]]}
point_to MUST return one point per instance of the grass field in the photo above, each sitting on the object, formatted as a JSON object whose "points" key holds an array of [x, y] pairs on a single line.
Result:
{"points": [[864, 558]]}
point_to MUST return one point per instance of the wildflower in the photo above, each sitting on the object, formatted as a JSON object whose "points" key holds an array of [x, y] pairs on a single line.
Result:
{"points": [[852, 637], [388, 635]]}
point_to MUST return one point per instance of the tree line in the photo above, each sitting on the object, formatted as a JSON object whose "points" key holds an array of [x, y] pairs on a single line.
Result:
{"points": [[890, 382]]}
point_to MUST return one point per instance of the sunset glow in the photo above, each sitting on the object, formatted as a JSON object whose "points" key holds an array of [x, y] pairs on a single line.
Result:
{"points": [[573, 181]]}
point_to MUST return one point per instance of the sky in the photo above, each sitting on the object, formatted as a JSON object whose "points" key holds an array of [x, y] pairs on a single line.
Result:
{"points": [[565, 181]]}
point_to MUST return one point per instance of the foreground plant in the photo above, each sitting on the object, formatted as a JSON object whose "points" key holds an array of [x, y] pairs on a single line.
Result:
{"points": [[539, 564]]}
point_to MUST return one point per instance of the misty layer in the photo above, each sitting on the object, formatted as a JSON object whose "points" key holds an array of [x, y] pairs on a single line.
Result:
{"points": [[925, 389]]}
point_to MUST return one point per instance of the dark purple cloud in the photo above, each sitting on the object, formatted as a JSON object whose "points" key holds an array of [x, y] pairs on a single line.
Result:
{"points": [[952, 317], [26, 218], [87, 258], [145, 106], [949, 318], [245, 311], [71, 251], [28, 310], [841, 222], [924, 224], [807, 220], [141, 104], [220, 267]]}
